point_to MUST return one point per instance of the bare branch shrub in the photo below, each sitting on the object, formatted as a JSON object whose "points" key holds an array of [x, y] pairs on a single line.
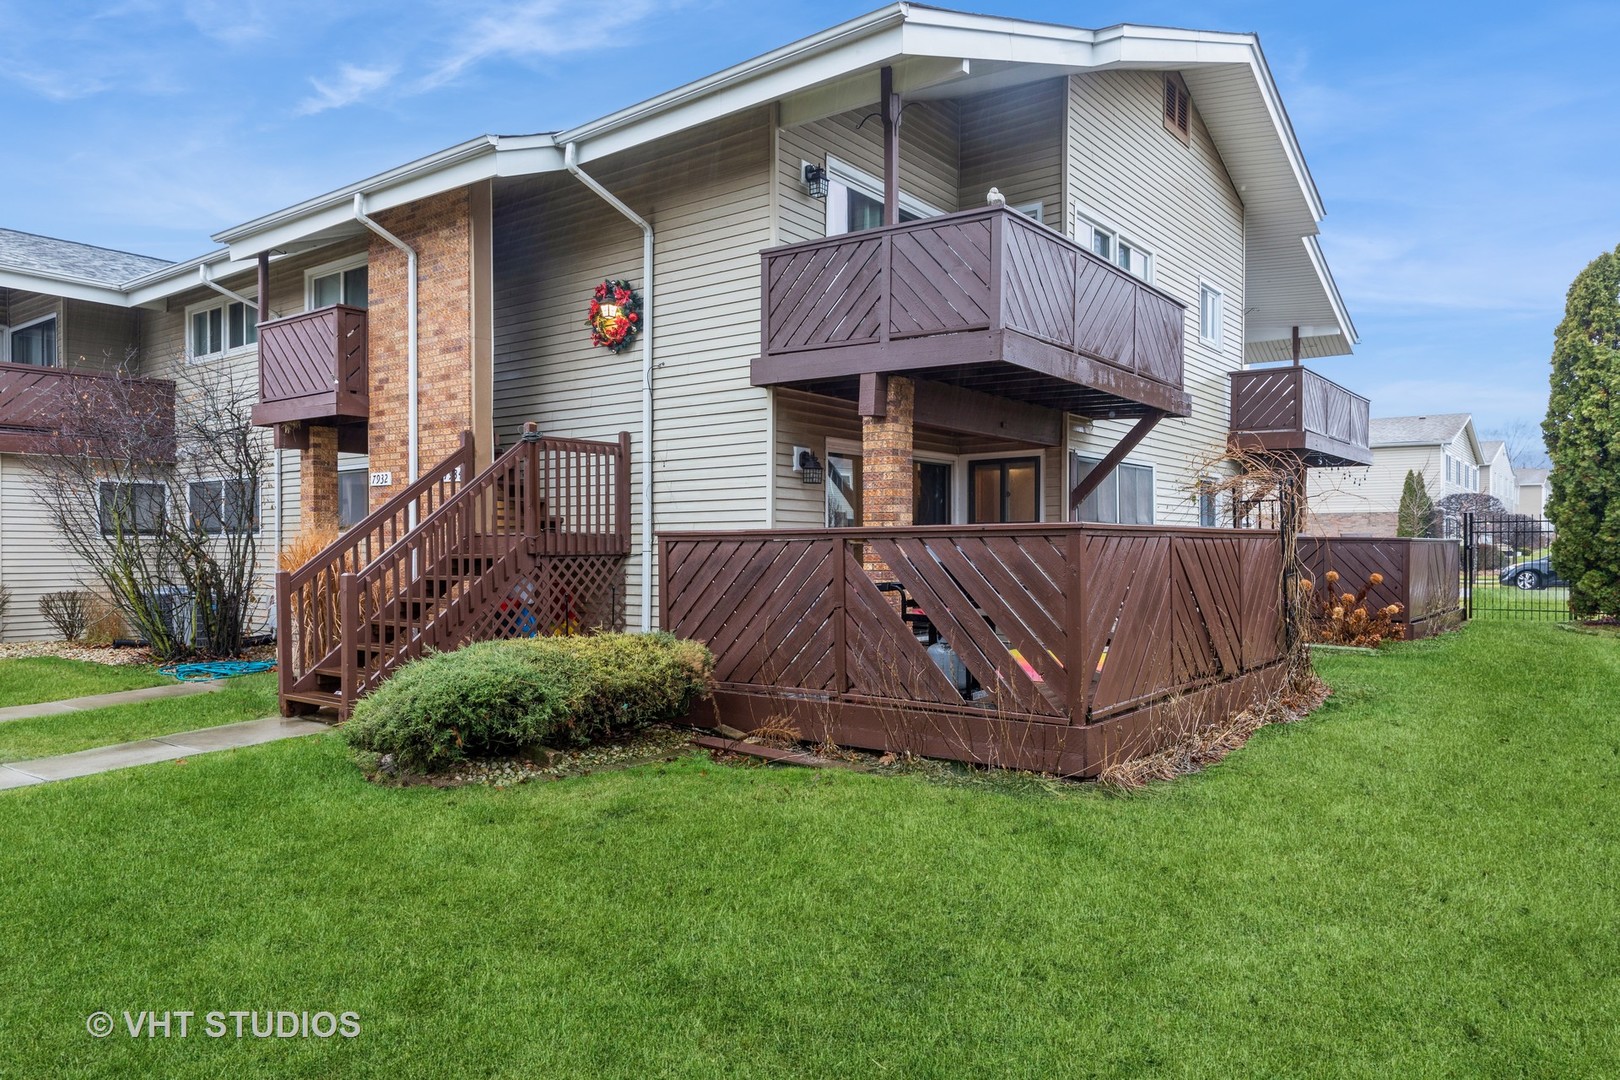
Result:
{"points": [[159, 497], [68, 612]]}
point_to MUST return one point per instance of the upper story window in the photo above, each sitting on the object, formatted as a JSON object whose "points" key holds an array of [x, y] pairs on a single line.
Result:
{"points": [[31, 343], [1114, 246], [341, 282], [1177, 107], [1125, 497], [218, 327], [1210, 314], [855, 200]]}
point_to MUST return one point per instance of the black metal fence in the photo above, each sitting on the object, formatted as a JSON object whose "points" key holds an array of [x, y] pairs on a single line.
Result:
{"points": [[1507, 571]]}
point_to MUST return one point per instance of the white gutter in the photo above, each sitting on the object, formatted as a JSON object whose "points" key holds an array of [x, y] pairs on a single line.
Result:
{"points": [[207, 279], [571, 163], [413, 435]]}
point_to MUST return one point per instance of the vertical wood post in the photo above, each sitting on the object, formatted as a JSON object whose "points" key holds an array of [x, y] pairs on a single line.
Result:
{"points": [[284, 652], [840, 557], [621, 488], [264, 286], [351, 636], [1075, 660], [889, 104]]}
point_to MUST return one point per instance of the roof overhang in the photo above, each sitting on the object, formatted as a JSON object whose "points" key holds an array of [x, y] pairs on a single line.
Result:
{"points": [[66, 285], [935, 53]]}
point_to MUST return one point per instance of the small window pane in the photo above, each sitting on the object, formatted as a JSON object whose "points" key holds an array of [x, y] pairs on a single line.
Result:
{"points": [[1135, 495], [216, 330], [352, 494], [35, 345], [1102, 505], [843, 491], [354, 287], [203, 500], [237, 331], [1022, 500], [130, 508], [1102, 243], [326, 291], [241, 506], [932, 480], [199, 333]]}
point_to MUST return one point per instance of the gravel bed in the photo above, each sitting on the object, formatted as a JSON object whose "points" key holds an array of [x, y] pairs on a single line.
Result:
{"points": [[95, 654]]}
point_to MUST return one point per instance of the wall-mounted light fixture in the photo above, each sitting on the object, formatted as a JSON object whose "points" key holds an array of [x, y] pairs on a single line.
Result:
{"points": [[815, 181], [807, 465]]}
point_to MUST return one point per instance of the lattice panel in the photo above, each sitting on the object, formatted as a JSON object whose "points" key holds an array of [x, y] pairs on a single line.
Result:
{"points": [[565, 594]]}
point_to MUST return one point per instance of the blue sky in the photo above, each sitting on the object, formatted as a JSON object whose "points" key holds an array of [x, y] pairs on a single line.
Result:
{"points": [[1466, 153]]}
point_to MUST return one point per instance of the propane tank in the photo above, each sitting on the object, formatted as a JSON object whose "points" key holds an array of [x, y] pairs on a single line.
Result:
{"points": [[945, 658]]}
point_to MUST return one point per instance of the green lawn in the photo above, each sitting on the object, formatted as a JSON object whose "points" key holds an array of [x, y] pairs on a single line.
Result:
{"points": [[29, 680], [1417, 881], [245, 698], [1495, 601]]}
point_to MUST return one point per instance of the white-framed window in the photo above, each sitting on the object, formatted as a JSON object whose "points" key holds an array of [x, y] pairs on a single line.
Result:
{"points": [[855, 200], [1209, 502], [123, 507], [354, 494], [220, 506], [217, 327], [1035, 211], [32, 343], [1125, 497], [1211, 314], [1108, 242], [340, 282]]}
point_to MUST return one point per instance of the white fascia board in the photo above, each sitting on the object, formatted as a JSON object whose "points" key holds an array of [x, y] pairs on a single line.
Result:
{"points": [[182, 277], [63, 285], [421, 168], [1313, 249]]}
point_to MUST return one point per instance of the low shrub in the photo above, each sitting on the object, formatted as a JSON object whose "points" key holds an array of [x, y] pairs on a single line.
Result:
{"points": [[1346, 619], [497, 698], [69, 612]]}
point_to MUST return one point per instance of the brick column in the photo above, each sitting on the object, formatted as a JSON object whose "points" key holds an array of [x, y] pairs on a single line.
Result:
{"points": [[440, 229], [887, 482], [318, 481]]}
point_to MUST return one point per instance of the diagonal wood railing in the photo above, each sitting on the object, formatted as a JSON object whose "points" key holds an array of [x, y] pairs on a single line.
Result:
{"points": [[535, 544]]}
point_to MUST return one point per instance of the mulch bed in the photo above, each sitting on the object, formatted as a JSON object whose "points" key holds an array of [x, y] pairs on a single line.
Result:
{"points": [[95, 654]]}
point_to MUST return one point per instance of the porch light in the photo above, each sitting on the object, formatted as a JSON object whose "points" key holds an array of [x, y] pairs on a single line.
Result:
{"points": [[809, 467], [815, 181]]}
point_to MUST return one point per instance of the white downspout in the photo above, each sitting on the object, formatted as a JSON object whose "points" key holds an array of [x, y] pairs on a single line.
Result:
{"points": [[571, 162], [413, 436]]}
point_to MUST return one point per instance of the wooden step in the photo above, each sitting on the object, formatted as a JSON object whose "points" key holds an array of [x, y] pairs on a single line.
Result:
{"points": [[325, 699]]}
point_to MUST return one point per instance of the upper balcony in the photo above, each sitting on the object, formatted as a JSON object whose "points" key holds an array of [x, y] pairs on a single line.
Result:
{"points": [[49, 410], [312, 366], [985, 299], [1294, 409]]}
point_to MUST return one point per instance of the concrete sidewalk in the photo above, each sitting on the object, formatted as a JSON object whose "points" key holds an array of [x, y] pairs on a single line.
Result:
{"points": [[145, 752], [101, 701]]}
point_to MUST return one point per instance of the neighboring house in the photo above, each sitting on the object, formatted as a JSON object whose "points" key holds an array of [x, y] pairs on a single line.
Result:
{"points": [[1158, 236], [1532, 494], [1442, 449], [1497, 477]]}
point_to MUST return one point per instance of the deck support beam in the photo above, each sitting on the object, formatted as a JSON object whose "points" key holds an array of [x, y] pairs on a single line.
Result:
{"points": [[1100, 472], [889, 103]]}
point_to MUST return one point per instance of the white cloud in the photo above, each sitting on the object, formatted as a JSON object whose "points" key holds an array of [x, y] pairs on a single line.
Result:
{"points": [[352, 84]]}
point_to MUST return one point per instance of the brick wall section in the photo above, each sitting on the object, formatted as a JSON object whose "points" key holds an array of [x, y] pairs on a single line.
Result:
{"points": [[318, 481], [887, 498], [1350, 524], [440, 229]]}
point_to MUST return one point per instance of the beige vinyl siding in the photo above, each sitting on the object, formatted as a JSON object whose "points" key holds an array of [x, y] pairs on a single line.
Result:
{"points": [[929, 153], [97, 336], [1013, 140], [707, 195], [32, 559], [1177, 202], [1376, 488], [26, 307]]}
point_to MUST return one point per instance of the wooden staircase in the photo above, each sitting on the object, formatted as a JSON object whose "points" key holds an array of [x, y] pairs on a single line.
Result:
{"points": [[533, 545]]}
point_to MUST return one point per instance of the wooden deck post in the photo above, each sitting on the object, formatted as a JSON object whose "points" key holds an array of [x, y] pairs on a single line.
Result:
{"points": [[889, 104]]}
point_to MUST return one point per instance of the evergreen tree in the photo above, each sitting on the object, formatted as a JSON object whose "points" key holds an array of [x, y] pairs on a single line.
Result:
{"points": [[1582, 431], [1415, 516]]}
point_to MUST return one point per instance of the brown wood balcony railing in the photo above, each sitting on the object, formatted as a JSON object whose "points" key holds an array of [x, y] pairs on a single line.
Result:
{"points": [[1296, 410], [47, 410], [312, 366], [986, 299]]}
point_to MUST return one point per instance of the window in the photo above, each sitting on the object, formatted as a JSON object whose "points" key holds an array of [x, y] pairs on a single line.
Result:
{"points": [[219, 506], [1177, 108], [353, 494], [855, 200], [1003, 491], [1451, 477], [1209, 314], [1034, 211], [931, 483], [342, 286], [1208, 502], [218, 327], [843, 490], [32, 343], [1125, 497], [130, 508], [1123, 252]]}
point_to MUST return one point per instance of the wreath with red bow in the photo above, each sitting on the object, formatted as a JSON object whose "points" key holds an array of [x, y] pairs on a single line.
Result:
{"points": [[615, 315]]}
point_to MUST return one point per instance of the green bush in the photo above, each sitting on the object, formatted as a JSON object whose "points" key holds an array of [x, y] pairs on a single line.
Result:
{"points": [[500, 697]]}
